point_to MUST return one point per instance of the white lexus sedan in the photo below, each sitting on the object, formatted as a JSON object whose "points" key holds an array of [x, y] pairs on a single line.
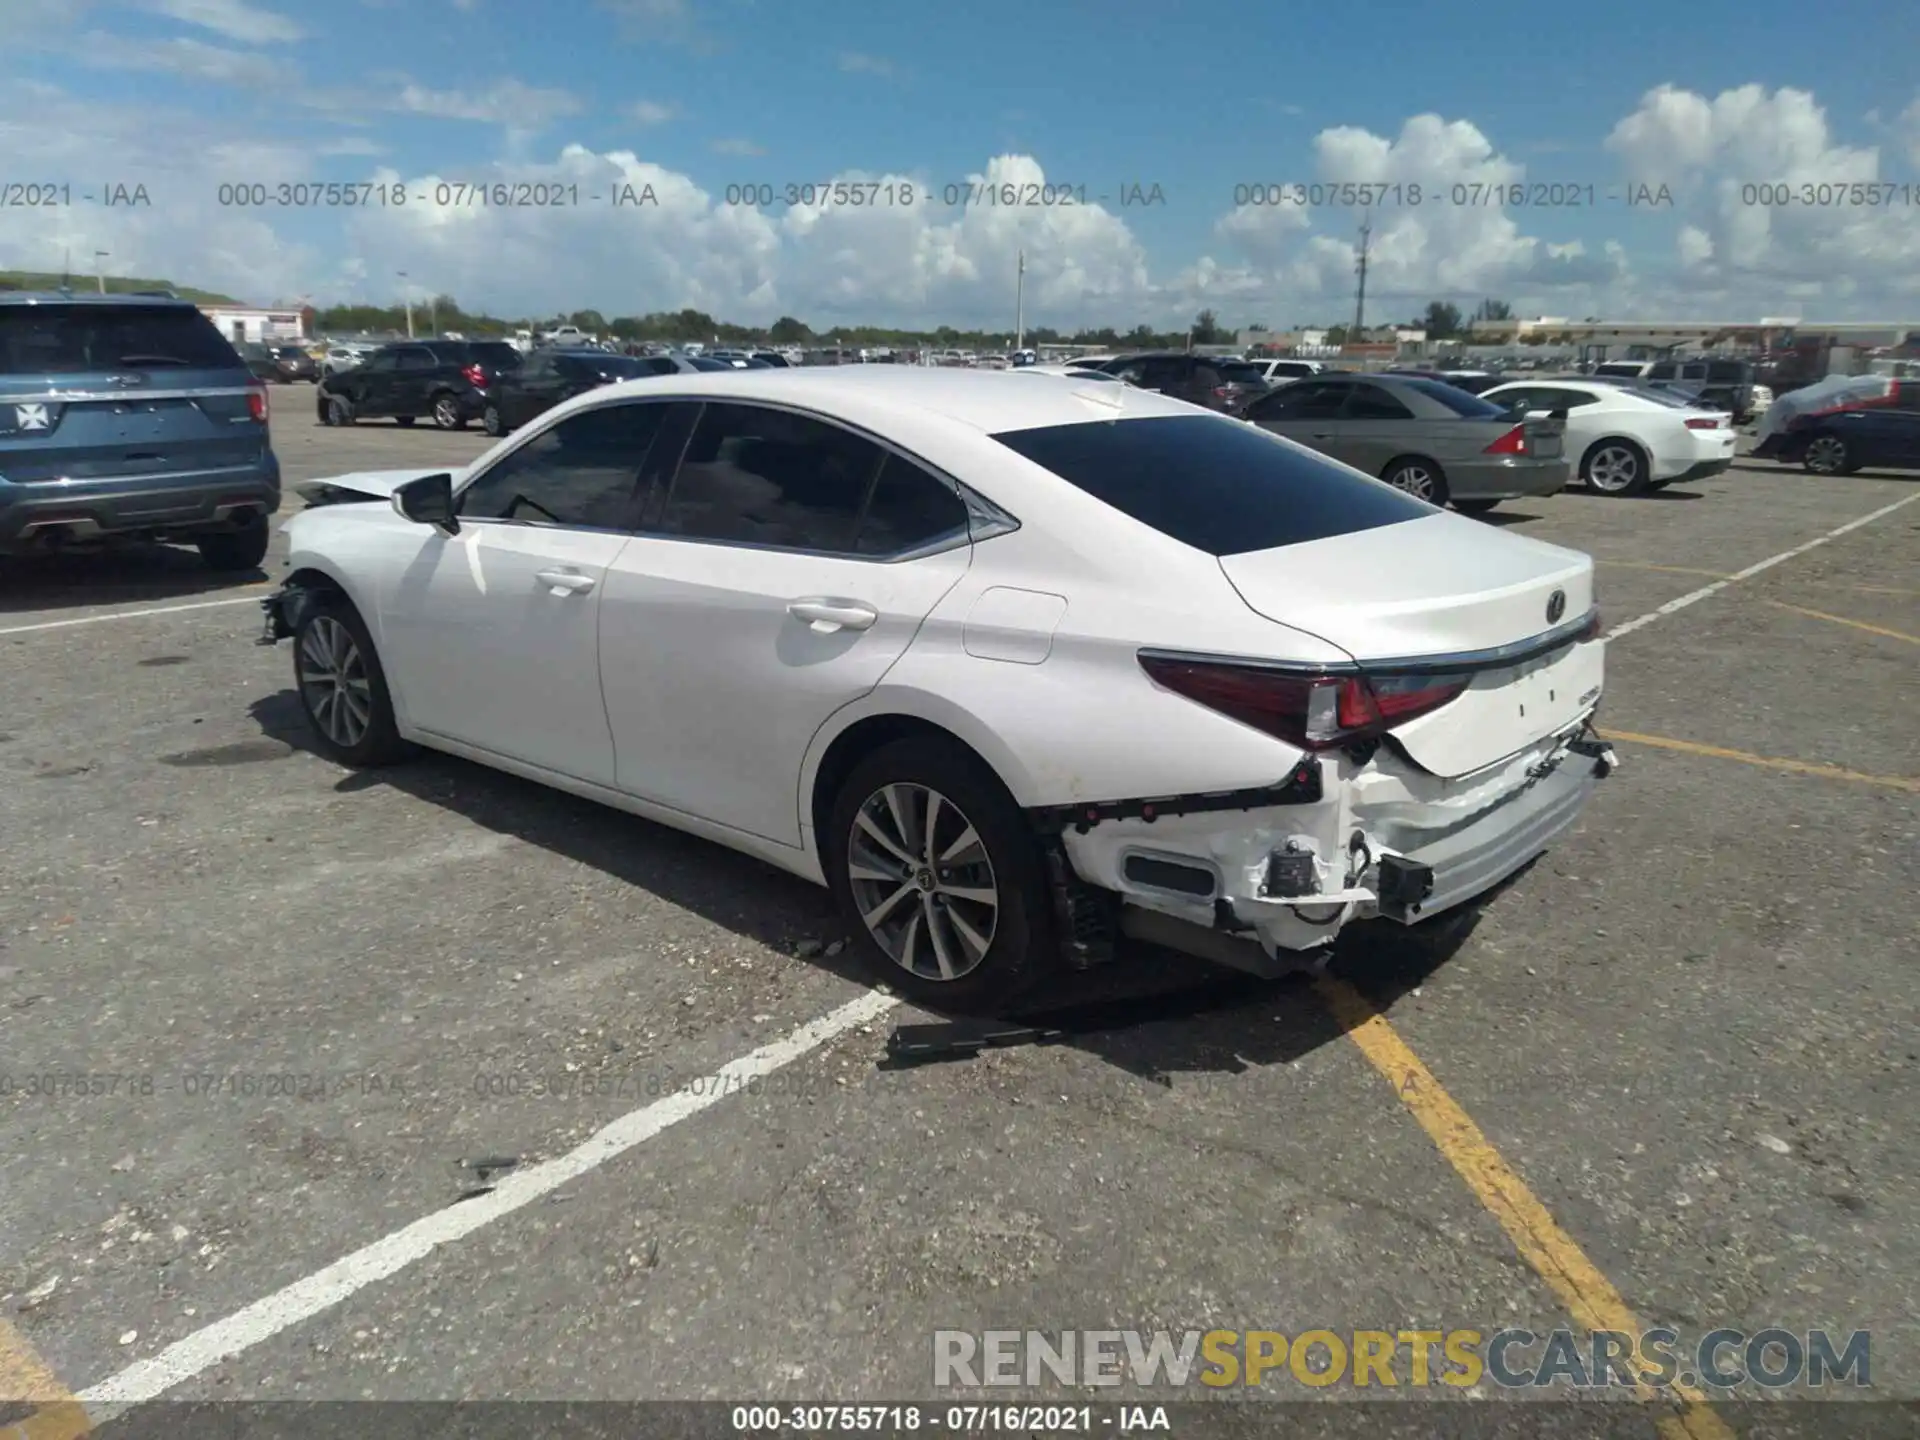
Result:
{"points": [[1016, 669], [1624, 439]]}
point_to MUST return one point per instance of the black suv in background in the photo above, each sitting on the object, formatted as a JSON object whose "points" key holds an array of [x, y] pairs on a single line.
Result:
{"points": [[446, 381], [1208, 380], [1720, 384], [128, 418], [548, 377]]}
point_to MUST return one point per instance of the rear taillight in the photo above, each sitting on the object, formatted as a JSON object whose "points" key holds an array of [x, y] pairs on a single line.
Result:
{"points": [[257, 404], [475, 377], [1514, 442], [1312, 712], [1709, 422]]}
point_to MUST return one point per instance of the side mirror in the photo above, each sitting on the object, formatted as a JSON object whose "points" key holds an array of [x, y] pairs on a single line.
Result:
{"points": [[428, 501]]}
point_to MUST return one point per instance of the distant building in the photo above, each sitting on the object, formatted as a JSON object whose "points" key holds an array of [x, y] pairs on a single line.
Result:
{"points": [[246, 323]]}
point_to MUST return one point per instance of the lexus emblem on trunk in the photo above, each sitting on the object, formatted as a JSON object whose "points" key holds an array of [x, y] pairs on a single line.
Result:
{"points": [[1556, 606]]}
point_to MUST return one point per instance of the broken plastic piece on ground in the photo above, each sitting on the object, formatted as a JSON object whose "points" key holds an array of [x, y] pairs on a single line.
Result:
{"points": [[960, 1039]]}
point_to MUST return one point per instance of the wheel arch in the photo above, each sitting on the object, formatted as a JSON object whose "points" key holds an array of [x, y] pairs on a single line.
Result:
{"points": [[880, 719], [1618, 437]]}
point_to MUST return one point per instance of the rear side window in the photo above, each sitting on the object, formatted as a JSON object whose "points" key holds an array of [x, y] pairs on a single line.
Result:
{"points": [[497, 353], [760, 476], [1219, 485], [77, 339], [1242, 374], [909, 508]]}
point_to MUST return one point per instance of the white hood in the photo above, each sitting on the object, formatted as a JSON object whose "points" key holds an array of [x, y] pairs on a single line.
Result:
{"points": [[369, 484]]}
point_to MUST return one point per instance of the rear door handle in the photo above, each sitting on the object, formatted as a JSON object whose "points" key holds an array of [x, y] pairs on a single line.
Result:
{"points": [[564, 582], [827, 615]]}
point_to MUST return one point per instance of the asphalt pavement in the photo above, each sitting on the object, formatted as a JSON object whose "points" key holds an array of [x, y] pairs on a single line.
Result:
{"points": [[290, 1001]]}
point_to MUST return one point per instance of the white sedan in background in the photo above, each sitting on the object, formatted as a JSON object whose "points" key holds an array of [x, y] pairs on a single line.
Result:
{"points": [[1015, 669], [1626, 439]]}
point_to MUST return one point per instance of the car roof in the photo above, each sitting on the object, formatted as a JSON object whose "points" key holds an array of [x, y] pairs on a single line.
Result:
{"points": [[59, 297], [987, 401]]}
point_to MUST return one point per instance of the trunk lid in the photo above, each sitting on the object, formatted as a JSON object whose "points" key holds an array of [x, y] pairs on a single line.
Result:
{"points": [[1546, 436], [99, 391], [1441, 587]]}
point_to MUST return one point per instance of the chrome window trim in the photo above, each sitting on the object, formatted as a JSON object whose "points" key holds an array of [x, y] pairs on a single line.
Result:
{"points": [[1495, 658]]}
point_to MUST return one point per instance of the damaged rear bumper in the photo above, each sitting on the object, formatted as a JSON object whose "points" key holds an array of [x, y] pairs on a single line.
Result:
{"points": [[1241, 879]]}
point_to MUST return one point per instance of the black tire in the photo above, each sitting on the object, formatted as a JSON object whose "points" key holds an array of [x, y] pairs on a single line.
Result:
{"points": [[379, 742], [1615, 467], [1419, 477], [492, 421], [1020, 947], [404, 420], [1475, 507], [241, 548], [447, 414], [1827, 454]]}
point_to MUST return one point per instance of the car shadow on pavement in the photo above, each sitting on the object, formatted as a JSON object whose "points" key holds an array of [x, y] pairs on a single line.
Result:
{"points": [[1158, 1014], [1152, 1012], [133, 575], [751, 899]]}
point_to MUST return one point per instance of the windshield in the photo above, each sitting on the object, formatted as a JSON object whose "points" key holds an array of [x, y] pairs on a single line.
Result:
{"points": [[76, 339], [1672, 399]]}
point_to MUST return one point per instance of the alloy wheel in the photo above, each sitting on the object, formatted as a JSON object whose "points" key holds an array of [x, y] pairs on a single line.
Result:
{"points": [[1416, 480], [922, 881], [334, 683], [1827, 455], [446, 412], [1613, 469], [490, 422]]}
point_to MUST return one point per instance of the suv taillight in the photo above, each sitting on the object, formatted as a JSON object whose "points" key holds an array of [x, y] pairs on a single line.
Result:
{"points": [[1312, 712], [257, 403], [1514, 442], [1710, 422], [476, 376]]}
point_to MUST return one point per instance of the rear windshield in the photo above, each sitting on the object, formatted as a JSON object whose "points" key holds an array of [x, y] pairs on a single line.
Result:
{"points": [[1672, 399], [497, 353], [1218, 485], [1455, 399], [1241, 373], [78, 339], [621, 366]]}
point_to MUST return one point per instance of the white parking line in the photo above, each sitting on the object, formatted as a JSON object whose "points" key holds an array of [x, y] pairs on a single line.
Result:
{"points": [[305, 1298], [1694, 597], [130, 614]]}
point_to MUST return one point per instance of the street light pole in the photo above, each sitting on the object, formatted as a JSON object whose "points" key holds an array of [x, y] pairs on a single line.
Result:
{"points": [[1020, 303], [100, 271], [406, 297]]}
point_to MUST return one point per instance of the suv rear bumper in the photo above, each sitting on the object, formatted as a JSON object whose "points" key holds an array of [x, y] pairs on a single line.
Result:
{"points": [[45, 516]]}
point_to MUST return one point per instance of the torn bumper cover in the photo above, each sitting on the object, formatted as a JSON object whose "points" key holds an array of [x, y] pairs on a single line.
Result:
{"points": [[284, 610], [1237, 877]]}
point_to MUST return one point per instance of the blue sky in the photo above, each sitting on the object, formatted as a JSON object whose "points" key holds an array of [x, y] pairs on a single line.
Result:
{"points": [[697, 95]]}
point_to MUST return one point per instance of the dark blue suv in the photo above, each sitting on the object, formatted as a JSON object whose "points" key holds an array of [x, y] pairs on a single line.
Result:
{"points": [[128, 417]]}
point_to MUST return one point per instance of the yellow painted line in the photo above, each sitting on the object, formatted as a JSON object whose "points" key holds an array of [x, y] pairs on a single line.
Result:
{"points": [[1667, 569], [24, 1376], [1851, 624], [1880, 589], [1791, 767], [1588, 1295]]}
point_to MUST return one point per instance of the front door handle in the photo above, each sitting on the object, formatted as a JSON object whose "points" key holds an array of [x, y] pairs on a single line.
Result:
{"points": [[564, 582], [828, 615]]}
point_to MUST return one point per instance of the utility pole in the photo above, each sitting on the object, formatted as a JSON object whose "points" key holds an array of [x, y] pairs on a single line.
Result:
{"points": [[1020, 303], [100, 271], [1360, 269], [406, 293]]}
